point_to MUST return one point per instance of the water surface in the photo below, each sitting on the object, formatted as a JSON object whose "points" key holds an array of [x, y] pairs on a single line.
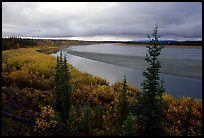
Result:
{"points": [[189, 53], [175, 85]]}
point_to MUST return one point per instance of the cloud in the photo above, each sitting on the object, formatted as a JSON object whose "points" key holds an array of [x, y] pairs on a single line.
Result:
{"points": [[84, 19]]}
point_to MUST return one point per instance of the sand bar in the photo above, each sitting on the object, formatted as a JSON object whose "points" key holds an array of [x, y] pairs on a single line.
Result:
{"points": [[175, 66]]}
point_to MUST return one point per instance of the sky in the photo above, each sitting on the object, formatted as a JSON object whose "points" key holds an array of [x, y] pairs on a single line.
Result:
{"points": [[125, 21]]}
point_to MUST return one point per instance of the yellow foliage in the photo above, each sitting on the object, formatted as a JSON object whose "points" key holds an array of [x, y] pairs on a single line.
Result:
{"points": [[28, 68], [176, 115], [25, 68], [46, 120]]}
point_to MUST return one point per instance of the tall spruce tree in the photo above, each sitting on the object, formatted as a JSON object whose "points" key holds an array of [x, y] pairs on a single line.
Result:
{"points": [[150, 103], [123, 105], [63, 96]]}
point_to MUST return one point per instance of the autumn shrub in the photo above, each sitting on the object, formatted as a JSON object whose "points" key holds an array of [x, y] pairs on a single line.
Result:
{"points": [[28, 79], [46, 121], [183, 116], [27, 68]]}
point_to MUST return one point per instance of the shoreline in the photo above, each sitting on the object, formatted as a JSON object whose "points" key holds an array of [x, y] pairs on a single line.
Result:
{"points": [[172, 66], [167, 46]]}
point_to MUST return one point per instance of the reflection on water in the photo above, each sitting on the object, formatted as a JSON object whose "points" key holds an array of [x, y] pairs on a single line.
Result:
{"points": [[174, 85]]}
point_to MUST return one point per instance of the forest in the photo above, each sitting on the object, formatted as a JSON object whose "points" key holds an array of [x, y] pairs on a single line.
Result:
{"points": [[32, 85], [14, 42]]}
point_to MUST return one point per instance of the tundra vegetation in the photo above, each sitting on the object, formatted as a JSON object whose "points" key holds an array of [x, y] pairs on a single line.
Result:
{"points": [[37, 88]]}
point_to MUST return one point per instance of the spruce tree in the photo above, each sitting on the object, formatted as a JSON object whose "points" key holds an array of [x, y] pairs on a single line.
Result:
{"points": [[63, 96], [99, 112], [151, 104], [123, 105], [130, 126], [86, 121]]}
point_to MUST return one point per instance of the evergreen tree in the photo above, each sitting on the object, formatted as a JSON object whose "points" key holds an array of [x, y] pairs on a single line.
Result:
{"points": [[122, 106], [99, 116], [63, 96], [130, 126], [73, 119], [150, 104], [86, 121]]}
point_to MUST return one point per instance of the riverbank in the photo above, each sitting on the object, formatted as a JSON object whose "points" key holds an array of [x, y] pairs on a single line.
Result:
{"points": [[169, 46], [174, 66], [49, 50]]}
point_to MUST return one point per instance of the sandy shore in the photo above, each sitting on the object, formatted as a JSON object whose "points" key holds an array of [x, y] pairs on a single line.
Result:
{"points": [[181, 67]]}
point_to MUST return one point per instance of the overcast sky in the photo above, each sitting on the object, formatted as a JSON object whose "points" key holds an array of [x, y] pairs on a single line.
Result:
{"points": [[103, 20]]}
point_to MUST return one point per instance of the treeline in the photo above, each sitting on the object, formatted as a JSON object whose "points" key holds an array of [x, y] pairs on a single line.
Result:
{"points": [[14, 42], [196, 43], [192, 43], [17, 42]]}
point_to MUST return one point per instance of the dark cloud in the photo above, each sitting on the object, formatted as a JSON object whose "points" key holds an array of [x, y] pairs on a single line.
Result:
{"points": [[126, 19]]}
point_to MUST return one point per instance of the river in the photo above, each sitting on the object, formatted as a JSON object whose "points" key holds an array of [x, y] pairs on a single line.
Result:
{"points": [[178, 81]]}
